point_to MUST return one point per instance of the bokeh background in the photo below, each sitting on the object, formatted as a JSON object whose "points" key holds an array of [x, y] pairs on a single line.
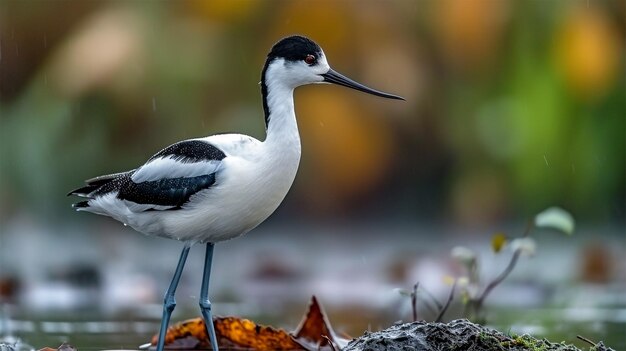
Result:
{"points": [[512, 107]]}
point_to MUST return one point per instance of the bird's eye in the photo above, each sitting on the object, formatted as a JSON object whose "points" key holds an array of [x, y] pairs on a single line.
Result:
{"points": [[310, 59]]}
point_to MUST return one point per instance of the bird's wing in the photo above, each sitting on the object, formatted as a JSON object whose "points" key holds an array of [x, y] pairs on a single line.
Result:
{"points": [[185, 159], [173, 175], [166, 181]]}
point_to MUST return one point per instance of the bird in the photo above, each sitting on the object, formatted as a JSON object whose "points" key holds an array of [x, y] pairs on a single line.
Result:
{"points": [[211, 189]]}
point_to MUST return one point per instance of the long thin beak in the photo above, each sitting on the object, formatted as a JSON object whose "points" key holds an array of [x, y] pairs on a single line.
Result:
{"points": [[335, 77]]}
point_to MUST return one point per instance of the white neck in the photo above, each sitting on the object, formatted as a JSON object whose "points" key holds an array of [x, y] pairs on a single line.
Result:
{"points": [[281, 148], [282, 127]]}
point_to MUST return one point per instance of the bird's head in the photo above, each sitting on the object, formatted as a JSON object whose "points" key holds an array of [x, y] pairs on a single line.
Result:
{"points": [[296, 61]]}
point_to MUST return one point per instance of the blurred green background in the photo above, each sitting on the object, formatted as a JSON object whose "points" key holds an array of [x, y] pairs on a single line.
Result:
{"points": [[512, 107]]}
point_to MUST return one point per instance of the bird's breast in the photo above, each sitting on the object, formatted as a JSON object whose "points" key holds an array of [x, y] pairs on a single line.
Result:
{"points": [[247, 190]]}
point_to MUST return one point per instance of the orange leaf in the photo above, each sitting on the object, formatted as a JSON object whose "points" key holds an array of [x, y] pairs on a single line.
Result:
{"points": [[192, 328], [315, 331], [231, 332], [245, 333]]}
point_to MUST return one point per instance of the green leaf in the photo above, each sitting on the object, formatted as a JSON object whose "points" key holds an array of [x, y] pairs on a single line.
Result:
{"points": [[555, 218]]}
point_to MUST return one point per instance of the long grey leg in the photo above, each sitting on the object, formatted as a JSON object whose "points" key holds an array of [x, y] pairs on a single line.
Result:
{"points": [[169, 302], [205, 304]]}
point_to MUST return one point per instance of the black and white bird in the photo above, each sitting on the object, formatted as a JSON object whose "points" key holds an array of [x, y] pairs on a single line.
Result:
{"points": [[219, 187]]}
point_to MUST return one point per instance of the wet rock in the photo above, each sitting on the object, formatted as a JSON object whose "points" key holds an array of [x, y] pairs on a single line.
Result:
{"points": [[459, 334]]}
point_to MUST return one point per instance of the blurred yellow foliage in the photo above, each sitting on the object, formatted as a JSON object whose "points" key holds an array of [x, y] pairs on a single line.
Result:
{"points": [[225, 10], [470, 30], [587, 50], [350, 145], [329, 24]]}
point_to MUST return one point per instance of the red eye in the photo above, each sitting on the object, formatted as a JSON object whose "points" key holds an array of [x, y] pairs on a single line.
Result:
{"points": [[310, 59]]}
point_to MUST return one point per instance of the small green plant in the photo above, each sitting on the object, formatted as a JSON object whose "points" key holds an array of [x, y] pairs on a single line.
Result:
{"points": [[431, 302], [473, 294]]}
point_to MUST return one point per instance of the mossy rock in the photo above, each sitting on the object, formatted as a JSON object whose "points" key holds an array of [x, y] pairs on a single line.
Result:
{"points": [[456, 335]]}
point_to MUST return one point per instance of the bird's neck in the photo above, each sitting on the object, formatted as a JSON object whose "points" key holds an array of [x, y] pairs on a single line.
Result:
{"points": [[280, 117]]}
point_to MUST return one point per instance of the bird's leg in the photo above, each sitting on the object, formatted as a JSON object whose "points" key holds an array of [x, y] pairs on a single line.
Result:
{"points": [[169, 302], [205, 304]]}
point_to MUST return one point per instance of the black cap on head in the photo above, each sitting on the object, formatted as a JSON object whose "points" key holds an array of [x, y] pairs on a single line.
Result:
{"points": [[294, 48]]}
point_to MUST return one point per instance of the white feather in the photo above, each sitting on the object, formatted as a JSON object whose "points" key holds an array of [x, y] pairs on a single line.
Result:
{"points": [[169, 167]]}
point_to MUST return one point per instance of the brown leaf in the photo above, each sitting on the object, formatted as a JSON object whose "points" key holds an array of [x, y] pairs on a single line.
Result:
{"points": [[193, 328], [315, 331], [245, 333], [231, 332]]}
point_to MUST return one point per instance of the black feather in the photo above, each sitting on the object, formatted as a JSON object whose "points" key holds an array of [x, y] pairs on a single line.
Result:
{"points": [[190, 151], [81, 204], [293, 48], [164, 192], [172, 192], [94, 183]]}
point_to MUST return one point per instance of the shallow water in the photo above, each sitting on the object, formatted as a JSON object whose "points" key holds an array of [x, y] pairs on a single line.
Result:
{"points": [[89, 331], [107, 295]]}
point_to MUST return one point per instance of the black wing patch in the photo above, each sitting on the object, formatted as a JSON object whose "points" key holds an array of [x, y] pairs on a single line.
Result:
{"points": [[190, 151], [172, 192], [167, 192]]}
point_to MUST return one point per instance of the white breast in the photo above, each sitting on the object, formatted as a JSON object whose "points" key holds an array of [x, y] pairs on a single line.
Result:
{"points": [[251, 183]]}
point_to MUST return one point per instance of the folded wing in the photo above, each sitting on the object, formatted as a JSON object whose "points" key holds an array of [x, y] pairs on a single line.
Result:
{"points": [[165, 182]]}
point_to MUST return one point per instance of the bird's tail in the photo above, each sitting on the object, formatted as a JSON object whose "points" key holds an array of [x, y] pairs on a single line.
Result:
{"points": [[92, 188], [80, 204]]}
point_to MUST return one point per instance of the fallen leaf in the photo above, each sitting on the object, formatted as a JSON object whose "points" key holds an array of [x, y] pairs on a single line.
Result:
{"points": [[313, 333], [245, 333], [189, 328], [231, 332]]}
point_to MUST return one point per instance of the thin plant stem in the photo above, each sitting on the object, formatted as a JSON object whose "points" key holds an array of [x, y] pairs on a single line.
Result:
{"points": [[509, 268], [445, 307], [586, 340], [433, 299], [498, 279], [414, 301]]}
